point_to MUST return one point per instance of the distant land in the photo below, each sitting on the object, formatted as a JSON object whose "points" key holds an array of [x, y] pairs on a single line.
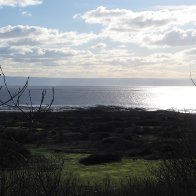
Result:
{"points": [[35, 81]]}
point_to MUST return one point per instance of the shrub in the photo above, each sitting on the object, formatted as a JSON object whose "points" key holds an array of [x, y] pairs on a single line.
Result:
{"points": [[100, 158], [19, 134], [112, 140], [12, 154], [178, 172], [41, 176]]}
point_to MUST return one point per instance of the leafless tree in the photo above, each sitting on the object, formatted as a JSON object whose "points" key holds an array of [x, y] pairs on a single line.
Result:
{"points": [[13, 101]]}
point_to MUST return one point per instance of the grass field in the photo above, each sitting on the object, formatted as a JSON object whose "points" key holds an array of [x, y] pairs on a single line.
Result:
{"points": [[136, 168]]}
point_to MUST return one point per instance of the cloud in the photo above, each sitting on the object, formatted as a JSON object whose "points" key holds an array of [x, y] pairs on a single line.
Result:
{"points": [[152, 43], [20, 31], [30, 50], [25, 13], [28, 35], [173, 38], [165, 26], [116, 18], [19, 3], [37, 52], [28, 46], [99, 46], [191, 52]]}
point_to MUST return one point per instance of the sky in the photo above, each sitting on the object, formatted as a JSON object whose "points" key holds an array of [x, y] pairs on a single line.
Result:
{"points": [[98, 38]]}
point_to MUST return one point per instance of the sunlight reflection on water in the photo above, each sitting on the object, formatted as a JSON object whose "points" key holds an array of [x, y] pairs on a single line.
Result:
{"points": [[149, 98], [178, 98]]}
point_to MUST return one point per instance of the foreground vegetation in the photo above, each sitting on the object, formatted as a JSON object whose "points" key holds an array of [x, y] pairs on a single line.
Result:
{"points": [[127, 167], [131, 133], [41, 176], [98, 151]]}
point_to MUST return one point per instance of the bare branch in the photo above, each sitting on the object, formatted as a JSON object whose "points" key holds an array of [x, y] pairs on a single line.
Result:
{"points": [[12, 97], [13, 100]]}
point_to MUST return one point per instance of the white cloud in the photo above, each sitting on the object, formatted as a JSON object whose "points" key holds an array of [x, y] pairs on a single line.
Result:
{"points": [[70, 61], [27, 46], [140, 19], [116, 18], [19, 3], [28, 35], [164, 26], [173, 38], [99, 46], [191, 52], [25, 13], [153, 43]]}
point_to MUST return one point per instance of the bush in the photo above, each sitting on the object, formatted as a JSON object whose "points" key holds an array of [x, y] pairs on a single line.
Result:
{"points": [[41, 176], [12, 154], [178, 172], [21, 135], [112, 140], [100, 158]]}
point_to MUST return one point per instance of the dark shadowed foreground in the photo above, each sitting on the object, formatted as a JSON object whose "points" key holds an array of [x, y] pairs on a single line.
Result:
{"points": [[107, 134]]}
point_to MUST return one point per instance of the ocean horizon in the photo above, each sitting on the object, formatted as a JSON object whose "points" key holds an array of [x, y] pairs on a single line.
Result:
{"points": [[44, 81], [178, 98]]}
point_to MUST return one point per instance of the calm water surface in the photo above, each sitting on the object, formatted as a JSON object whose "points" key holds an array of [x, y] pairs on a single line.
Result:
{"points": [[150, 98]]}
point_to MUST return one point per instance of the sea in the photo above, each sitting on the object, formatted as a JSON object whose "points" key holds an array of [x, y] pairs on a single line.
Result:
{"points": [[178, 98]]}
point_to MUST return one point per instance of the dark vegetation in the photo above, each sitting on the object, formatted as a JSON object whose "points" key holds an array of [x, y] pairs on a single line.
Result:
{"points": [[133, 133], [100, 158], [12, 154], [108, 134], [41, 176]]}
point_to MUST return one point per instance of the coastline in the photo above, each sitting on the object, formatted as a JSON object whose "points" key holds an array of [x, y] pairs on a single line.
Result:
{"points": [[65, 108]]}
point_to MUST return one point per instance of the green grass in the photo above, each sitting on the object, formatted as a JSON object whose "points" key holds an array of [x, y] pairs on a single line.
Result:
{"points": [[136, 168], [128, 167]]}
